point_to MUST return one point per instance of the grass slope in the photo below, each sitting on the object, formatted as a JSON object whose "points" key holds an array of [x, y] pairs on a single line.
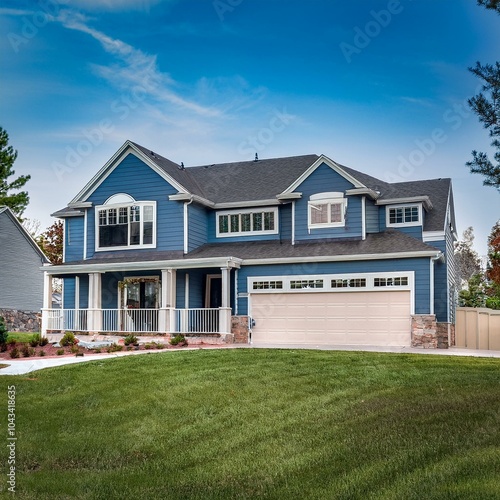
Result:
{"points": [[260, 423]]}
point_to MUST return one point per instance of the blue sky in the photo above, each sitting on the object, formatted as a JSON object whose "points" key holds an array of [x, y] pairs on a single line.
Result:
{"points": [[380, 86]]}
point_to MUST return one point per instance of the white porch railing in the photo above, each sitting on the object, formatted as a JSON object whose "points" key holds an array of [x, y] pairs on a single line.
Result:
{"points": [[168, 320]]}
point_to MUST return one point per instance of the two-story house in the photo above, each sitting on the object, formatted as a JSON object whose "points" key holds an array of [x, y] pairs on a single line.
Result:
{"points": [[312, 252]]}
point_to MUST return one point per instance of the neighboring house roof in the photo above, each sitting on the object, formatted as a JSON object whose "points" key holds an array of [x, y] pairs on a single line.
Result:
{"points": [[390, 243], [266, 179], [8, 213]]}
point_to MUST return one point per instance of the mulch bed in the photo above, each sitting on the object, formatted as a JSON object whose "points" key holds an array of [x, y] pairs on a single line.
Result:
{"points": [[51, 350]]}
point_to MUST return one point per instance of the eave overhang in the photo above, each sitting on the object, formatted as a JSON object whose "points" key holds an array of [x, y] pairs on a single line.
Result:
{"points": [[107, 267]]}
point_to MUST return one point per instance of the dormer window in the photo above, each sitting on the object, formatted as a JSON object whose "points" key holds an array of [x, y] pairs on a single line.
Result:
{"points": [[125, 225], [326, 210], [404, 215]]}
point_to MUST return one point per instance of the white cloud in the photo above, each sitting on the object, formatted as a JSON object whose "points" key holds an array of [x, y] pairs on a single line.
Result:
{"points": [[134, 70]]}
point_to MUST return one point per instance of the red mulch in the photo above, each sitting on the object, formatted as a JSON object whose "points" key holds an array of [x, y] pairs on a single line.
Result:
{"points": [[50, 350]]}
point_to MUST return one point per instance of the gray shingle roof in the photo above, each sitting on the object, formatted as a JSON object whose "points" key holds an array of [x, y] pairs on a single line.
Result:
{"points": [[265, 179], [389, 242]]}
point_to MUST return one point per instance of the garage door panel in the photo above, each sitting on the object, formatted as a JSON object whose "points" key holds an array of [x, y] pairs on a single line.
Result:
{"points": [[362, 318]]}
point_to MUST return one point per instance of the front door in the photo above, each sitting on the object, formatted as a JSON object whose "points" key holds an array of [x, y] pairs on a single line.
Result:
{"points": [[213, 296], [141, 301]]}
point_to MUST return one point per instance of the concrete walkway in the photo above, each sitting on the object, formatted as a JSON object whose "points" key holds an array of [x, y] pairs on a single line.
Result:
{"points": [[23, 366]]}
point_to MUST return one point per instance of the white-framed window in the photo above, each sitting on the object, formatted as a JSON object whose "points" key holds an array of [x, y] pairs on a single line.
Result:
{"points": [[249, 222], [404, 215], [320, 283], [126, 226], [326, 210]]}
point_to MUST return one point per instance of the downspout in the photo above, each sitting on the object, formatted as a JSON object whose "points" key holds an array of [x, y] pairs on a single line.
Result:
{"points": [[363, 218], [293, 222], [437, 257], [186, 248]]}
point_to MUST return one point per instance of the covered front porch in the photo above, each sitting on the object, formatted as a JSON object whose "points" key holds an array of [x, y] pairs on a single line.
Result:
{"points": [[136, 298]]}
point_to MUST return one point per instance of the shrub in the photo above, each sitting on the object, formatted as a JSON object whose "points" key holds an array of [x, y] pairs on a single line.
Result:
{"points": [[35, 340], [75, 349], [114, 348], [41, 353], [130, 339], [493, 303], [97, 350], [68, 339], [27, 351], [3, 331], [3, 347], [159, 345], [178, 340], [43, 341], [11, 342], [60, 352], [14, 353]]}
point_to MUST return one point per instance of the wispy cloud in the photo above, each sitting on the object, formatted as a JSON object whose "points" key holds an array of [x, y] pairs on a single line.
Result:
{"points": [[134, 68], [117, 5]]}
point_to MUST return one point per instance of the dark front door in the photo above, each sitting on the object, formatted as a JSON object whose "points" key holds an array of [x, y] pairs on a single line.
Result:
{"points": [[214, 289]]}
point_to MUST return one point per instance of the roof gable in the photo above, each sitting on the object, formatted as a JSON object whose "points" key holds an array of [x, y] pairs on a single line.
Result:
{"points": [[128, 148], [320, 161], [7, 212]]}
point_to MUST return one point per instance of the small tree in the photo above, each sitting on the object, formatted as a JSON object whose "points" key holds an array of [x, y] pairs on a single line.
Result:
{"points": [[468, 262], [3, 332], [17, 201], [474, 295], [51, 242], [493, 270]]}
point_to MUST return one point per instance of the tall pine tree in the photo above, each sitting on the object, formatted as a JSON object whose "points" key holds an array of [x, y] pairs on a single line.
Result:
{"points": [[486, 105], [17, 201]]}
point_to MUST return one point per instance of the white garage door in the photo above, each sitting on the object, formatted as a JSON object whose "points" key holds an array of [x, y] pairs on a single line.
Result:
{"points": [[363, 318]]}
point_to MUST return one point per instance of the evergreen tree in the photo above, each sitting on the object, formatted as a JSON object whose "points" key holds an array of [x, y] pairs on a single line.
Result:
{"points": [[486, 105], [17, 201]]}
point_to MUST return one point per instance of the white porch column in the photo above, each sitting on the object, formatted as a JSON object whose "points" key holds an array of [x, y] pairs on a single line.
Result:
{"points": [[167, 316], [47, 302], [95, 312], [225, 309]]}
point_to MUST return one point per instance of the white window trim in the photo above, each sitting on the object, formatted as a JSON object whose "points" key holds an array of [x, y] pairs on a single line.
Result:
{"points": [[327, 279], [403, 224], [123, 205], [274, 210], [324, 199]]}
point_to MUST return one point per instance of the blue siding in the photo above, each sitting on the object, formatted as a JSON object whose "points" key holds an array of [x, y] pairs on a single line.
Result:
{"points": [[285, 218], [440, 285], [69, 293], [325, 179], [372, 219], [421, 266], [135, 178], [73, 238], [198, 230]]}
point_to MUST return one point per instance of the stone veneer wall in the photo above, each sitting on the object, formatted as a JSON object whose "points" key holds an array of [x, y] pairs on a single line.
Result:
{"points": [[427, 333], [240, 329], [21, 321]]}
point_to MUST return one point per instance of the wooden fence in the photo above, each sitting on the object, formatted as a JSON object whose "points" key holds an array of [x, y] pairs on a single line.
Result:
{"points": [[477, 328]]}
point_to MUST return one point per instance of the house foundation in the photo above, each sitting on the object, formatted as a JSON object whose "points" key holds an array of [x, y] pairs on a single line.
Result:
{"points": [[427, 333], [21, 321]]}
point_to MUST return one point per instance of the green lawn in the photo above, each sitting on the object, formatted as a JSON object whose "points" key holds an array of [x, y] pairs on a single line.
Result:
{"points": [[20, 336], [252, 423]]}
